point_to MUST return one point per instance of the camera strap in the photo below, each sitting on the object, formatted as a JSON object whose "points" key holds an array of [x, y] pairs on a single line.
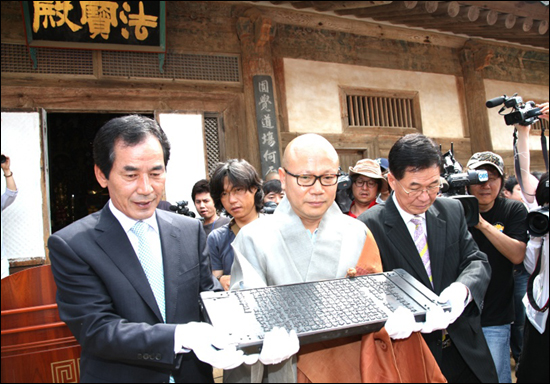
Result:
{"points": [[530, 284], [543, 145], [516, 155]]}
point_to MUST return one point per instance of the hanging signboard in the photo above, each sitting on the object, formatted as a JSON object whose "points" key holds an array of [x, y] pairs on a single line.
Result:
{"points": [[107, 25], [266, 122]]}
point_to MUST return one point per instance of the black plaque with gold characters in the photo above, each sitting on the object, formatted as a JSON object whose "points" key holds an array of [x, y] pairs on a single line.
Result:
{"points": [[110, 25]]}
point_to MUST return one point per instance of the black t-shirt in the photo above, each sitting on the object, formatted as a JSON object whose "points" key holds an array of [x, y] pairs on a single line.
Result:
{"points": [[509, 216]]}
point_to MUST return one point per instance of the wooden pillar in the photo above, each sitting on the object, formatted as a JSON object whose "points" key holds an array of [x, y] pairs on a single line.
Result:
{"points": [[256, 32], [473, 59]]}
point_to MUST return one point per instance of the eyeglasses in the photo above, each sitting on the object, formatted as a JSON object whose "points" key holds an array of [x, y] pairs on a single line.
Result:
{"points": [[417, 192], [370, 183], [237, 191], [308, 180]]}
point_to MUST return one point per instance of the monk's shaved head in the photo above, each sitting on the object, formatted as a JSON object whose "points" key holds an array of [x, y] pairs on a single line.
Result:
{"points": [[309, 145]]}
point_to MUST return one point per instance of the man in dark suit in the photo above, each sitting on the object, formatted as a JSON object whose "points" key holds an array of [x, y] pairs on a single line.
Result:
{"points": [[451, 265], [131, 299]]}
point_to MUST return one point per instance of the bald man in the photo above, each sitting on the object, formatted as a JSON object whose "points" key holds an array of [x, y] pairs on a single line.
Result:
{"points": [[306, 239]]}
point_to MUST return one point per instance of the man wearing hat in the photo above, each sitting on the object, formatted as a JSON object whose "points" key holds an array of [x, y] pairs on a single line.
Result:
{"points": [[367, 183], [502, 234]]}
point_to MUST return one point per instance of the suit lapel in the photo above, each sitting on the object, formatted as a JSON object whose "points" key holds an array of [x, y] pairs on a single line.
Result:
{"points": [[400, 237], [115, 243], [436, 245], [170, 239]]}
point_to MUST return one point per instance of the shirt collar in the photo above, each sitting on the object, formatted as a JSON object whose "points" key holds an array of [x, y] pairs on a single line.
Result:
{"points": [[406, 215], [127, 223]]}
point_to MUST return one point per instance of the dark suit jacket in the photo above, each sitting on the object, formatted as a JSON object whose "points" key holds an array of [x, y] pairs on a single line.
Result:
{"points": [[104, 297], [454, 256]]}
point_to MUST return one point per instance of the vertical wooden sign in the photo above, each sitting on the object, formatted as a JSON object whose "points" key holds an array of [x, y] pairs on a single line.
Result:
{"points": [[266, 123]]}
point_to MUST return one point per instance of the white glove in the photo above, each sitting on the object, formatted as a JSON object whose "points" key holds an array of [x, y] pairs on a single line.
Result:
{"points": [[401, 324], [278, 346], [210, 345], [455, 294], [436, 319]]}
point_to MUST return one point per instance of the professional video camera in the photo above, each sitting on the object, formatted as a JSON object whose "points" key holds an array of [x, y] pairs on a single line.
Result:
{"points": [[454, 182], [181, 208], [522, 114]]}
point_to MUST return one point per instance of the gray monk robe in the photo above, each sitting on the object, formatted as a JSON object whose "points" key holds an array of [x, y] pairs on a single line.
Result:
{"points": [[278, 250]]}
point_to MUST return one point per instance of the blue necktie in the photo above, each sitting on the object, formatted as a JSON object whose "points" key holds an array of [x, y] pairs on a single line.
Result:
{"points": [[153, 268]]}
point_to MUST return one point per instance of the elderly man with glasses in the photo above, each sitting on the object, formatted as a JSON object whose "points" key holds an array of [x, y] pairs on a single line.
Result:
{"points": [[428, 237]]}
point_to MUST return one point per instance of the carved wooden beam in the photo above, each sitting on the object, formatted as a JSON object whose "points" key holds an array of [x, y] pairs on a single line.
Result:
{"points": [[255, 26], [389, 9], [324, 6], [518, 8]]}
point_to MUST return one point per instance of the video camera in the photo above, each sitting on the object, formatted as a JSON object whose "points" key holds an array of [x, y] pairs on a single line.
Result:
{"points": [[522, 114], [454, 182], [181, 208]]}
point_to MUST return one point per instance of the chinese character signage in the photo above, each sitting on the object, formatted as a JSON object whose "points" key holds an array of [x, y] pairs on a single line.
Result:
{"points": [[114, 25], [266, 122]]}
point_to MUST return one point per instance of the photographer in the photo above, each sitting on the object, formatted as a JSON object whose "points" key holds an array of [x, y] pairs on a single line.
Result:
{"points": [[512, 191], [8, 198], [502, 234], [534, 358]]}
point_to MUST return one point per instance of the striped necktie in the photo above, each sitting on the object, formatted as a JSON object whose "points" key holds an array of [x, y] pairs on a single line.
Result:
{"points": [[421, 242], [153, 268]]}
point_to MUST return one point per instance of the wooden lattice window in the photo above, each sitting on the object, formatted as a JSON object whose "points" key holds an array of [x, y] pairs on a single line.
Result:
{"points": [[214, 137], [381, 109]]}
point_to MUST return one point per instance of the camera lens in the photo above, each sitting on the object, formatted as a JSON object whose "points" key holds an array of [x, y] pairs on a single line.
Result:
{"points": [[537, 222]]}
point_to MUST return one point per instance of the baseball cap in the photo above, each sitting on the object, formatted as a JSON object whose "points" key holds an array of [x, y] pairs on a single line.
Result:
{"points": [[481, 158], [383, 163], [369, 168]]}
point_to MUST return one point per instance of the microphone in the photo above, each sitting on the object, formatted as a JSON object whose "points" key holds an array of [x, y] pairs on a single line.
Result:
{"points": [[495, 102]]}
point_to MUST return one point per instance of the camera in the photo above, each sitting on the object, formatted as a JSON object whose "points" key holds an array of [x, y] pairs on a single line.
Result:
{"points": [[3, 159], [344, 181], [344, 195], [454, 182], [182, 208], [537, 222], [269, 207], [522, 114]]}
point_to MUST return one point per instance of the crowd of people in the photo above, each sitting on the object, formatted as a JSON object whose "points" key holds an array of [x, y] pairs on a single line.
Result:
{"points": [[130, 275]]}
